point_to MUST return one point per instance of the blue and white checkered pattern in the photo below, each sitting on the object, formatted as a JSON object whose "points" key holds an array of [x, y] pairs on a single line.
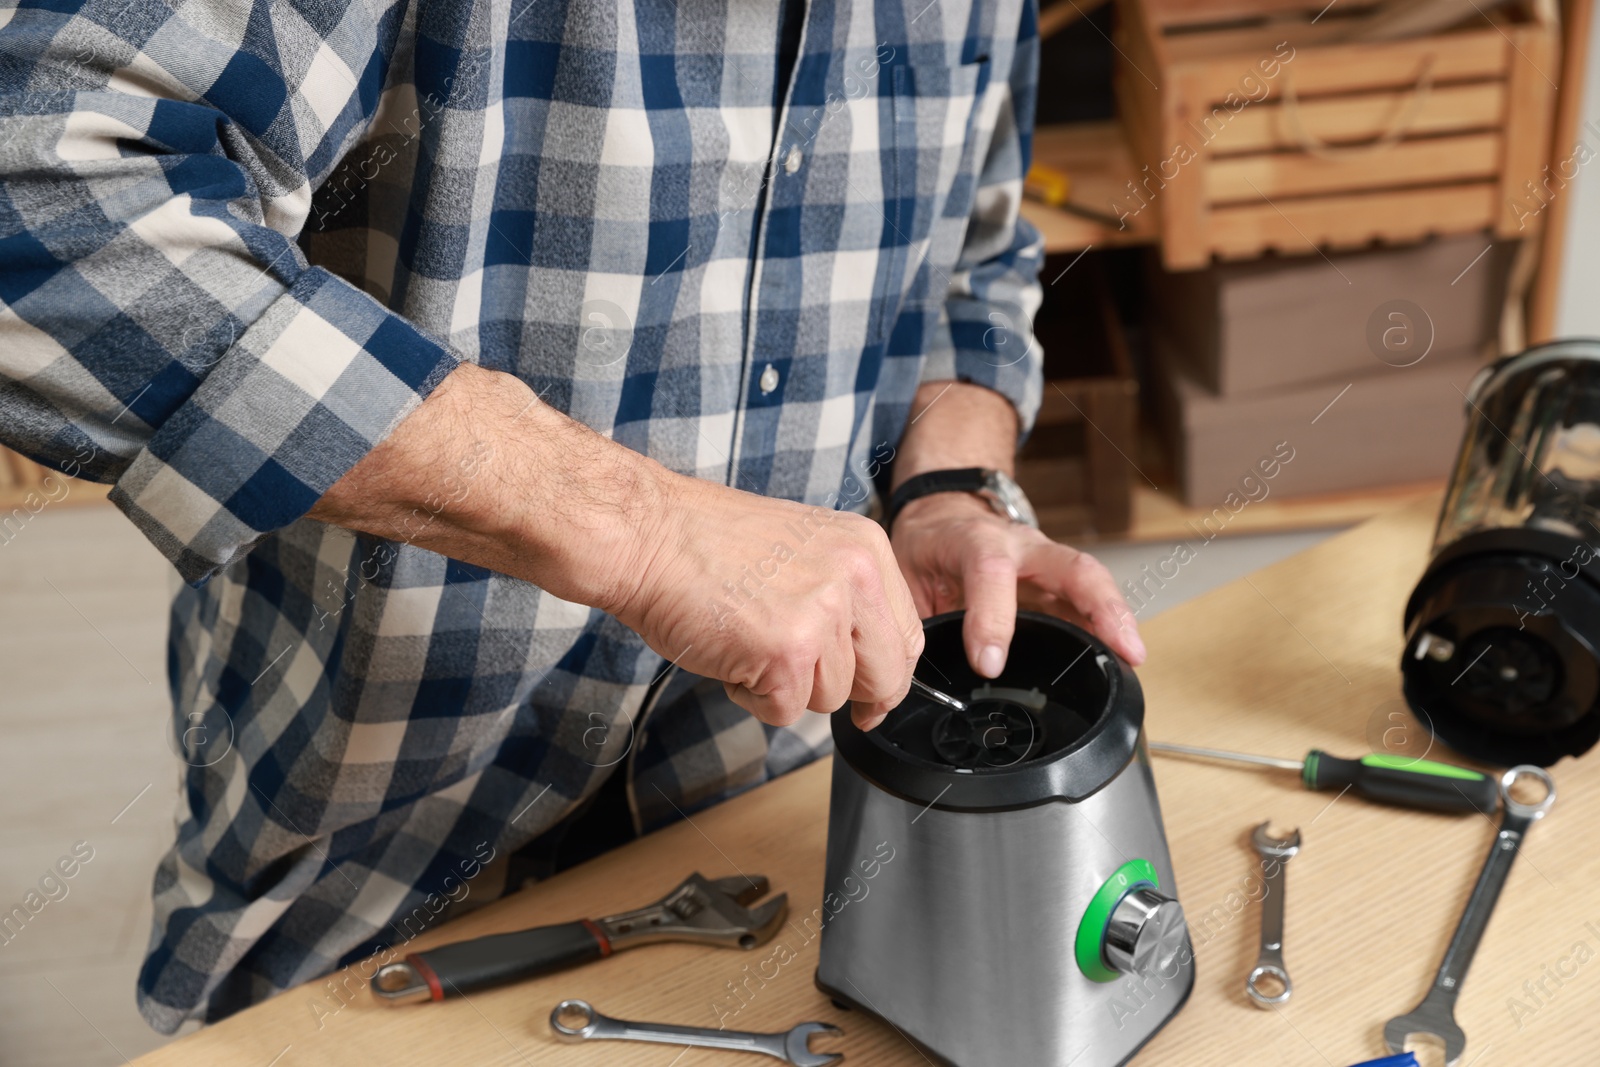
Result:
{"points": [[240, 241]]}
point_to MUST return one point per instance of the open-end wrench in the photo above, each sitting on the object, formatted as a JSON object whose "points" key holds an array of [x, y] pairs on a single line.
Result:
{"points": [[1436, 1015], [1275, 853], [791, 1046]]}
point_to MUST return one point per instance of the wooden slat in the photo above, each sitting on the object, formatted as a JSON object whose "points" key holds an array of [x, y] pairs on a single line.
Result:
{"points": [[1528, 119], [1456, 57], [1183, 203], [1246, 179], [1138, 65], [1399, 19], [1578, 20], [1191, 12], [1248, 43], [1445, 109], [1141, 57], [1345, 220]]}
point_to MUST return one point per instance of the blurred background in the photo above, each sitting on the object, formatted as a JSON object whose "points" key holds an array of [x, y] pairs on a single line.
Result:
{"points": [[1282, 238]]}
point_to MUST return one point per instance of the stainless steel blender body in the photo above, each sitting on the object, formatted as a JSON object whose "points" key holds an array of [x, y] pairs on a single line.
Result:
{"points": [[1024, 922]]}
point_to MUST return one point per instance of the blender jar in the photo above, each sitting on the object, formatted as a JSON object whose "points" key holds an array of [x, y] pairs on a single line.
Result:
{"points": [[1502, 629]]}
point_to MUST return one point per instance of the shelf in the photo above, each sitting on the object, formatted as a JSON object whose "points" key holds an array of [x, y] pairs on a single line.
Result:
{"points": [[1158, 514], [1096, 156]]}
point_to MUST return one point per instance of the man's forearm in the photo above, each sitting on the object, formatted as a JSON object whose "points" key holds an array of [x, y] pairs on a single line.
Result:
{"points": [[485, 472], [957, 424]]}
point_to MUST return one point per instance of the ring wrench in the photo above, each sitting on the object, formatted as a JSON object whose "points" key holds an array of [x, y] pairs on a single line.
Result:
{"points": [[1275, 855], [791, 1046], [1436, 1015]]}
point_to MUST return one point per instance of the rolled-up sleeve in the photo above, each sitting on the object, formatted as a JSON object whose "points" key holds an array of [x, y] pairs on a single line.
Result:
{"points": [[159, 327], [994, 290]]}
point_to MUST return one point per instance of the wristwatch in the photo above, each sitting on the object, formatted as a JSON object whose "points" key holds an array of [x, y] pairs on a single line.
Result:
{"points": [[1003, 494]]}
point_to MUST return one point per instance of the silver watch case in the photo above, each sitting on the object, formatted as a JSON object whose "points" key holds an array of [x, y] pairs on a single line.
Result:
{"points": [[1007, 498]]}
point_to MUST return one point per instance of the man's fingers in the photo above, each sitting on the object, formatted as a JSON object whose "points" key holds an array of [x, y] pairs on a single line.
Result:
{"points": [[782, 707], [1079, 579], [884, 655], [904, 613], [833, 679], [869, 715], [989, 585], [887, 631]]}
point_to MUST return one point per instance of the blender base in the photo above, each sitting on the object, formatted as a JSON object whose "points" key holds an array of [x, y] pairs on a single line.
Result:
{"points": [[848, 1003]]}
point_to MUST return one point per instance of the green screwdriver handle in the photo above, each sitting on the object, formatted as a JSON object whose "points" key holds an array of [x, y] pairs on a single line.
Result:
{"points": [[1404, 781]]}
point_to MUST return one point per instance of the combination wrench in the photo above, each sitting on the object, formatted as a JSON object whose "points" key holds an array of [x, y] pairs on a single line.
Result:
{"points": [[1275, 853], [1436, 1015], [791, 1046]]}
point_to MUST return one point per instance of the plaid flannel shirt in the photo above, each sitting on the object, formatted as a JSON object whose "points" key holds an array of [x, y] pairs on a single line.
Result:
{"points": [[240, 242]]}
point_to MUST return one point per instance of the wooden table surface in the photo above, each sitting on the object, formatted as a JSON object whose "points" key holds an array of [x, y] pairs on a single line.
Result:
{"points": [[1300, 654]]}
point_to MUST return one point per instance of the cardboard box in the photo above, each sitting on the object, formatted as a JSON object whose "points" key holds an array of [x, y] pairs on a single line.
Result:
{"points": [[1278, 322], [1388, 426]]}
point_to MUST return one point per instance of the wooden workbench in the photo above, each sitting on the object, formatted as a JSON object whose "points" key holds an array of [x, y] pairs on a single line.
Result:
{"points": [[1300, 654]]}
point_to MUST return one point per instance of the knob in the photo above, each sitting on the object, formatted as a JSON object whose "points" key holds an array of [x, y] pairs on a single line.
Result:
{"points": [[1145, 932]]}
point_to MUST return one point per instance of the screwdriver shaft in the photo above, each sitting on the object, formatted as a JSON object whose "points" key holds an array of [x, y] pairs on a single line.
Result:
{"points": [[938, 695], [1232, 757]]}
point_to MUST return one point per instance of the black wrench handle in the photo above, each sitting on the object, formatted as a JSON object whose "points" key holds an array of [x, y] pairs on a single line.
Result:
{"points": [[495, 959]]}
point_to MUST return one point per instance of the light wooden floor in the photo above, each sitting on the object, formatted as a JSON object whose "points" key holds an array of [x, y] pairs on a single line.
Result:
{"points": [[83, 704]]}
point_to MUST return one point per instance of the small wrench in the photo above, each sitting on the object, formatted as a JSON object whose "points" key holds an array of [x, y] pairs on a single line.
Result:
{"points": [[791, 1046], [1436, 1015], [1275, 856]]}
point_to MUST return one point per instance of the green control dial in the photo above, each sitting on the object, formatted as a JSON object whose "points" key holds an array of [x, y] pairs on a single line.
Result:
{"points": [[1128, 926]]}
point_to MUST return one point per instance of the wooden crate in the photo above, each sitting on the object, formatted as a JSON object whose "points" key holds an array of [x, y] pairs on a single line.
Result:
{"points": [[1259, 124], [1076, 466]]}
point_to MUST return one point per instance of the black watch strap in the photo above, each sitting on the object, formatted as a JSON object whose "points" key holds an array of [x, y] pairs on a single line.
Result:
{"points": [[965, 480]]}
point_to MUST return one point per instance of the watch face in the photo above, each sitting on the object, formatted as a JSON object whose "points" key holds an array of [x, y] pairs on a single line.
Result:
{"points": [[1008, 498]]}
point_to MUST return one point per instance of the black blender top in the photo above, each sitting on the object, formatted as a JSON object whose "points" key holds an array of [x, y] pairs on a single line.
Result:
{"points": [[1060, 722]]}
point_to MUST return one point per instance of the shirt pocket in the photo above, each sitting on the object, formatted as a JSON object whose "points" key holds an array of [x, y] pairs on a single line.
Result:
{"points": [[932, 107]]}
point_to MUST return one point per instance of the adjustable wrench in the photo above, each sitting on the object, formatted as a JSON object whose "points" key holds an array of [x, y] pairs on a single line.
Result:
{"points": [[720, 911], [1275, 855], [791, 1046], [1436, 1015]]}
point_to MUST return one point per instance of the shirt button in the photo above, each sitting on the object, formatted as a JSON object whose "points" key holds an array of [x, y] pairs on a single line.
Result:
{"points": [[791, 162], [769, 379]]}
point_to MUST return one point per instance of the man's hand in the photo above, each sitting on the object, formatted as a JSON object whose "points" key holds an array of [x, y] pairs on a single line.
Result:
{"points": [[956, 552], [791, 607]]}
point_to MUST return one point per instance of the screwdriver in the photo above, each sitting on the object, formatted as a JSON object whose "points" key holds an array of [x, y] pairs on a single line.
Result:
{"points": [[1379, 776]]}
